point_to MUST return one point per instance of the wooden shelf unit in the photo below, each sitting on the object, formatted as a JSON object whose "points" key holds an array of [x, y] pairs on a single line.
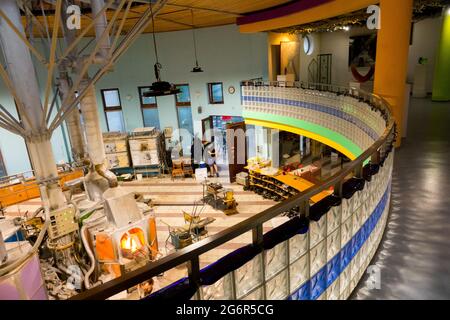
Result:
{"points": [[281, 186]]}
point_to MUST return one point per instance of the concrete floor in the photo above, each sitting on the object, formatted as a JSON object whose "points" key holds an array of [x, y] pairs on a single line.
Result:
{"points": [[414, 258]]}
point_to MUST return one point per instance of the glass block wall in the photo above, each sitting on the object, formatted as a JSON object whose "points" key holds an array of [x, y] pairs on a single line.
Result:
{"points": [[348, 122], [326, 262]]}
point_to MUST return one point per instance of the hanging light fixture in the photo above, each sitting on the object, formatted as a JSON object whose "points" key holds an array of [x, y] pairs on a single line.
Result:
{"points": [[159, 88], [196, 69]]}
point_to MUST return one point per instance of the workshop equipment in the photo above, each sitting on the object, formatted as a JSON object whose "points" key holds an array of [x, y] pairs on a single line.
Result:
{"points": [[193, 230], [219, 198]]}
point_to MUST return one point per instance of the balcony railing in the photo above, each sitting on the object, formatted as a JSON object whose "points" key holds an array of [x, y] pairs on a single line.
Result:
{"points": [[378, 155]]}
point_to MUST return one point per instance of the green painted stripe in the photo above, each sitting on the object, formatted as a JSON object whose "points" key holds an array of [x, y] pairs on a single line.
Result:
{"points": [[308, 126]]}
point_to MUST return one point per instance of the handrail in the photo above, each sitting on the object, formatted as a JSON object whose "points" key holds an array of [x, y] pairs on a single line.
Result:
{"points": [[191, 253]]}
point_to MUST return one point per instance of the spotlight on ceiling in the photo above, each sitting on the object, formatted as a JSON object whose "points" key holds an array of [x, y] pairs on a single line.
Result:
{"points": [[346, 28], [447, 12], [197, 69], [161, 88]]}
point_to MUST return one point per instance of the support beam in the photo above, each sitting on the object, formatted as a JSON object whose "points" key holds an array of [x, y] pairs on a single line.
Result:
{"points": [[392, 55], [234, 14], [25, 86], [52, 60], [138, 28], [22, 37]]}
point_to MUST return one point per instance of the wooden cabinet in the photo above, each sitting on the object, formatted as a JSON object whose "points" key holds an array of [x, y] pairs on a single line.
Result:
{"points": [[23, 191]]}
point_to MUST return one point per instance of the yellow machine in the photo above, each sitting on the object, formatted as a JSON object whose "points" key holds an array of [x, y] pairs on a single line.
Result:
{"points": [[220, 198]]}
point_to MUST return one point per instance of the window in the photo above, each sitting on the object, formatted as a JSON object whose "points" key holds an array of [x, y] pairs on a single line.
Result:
{"points": [[183, 98], [2, 166], [149, 108], [113, 110], [215, 93], [184, 112]]}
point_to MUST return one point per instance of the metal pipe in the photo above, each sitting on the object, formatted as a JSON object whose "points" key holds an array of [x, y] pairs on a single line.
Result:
{"points": [[108, 175], [101, 25], [94, 137], [73, 121], [137, 29]]}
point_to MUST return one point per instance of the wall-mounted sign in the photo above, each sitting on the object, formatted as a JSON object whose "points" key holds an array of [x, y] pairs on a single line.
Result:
{"points": [[74, 17], [374, 21]]}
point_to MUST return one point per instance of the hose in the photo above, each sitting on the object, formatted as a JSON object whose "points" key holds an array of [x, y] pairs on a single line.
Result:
{"points": [[59, 248], [89, 251], [33, 250], [39, 210]]}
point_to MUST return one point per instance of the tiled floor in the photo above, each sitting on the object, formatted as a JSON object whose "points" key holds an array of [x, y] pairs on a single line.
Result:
{"points": [[414, 258]]}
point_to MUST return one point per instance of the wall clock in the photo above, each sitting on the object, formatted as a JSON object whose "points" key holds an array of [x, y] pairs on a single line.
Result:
{"points": [[231, 90]]}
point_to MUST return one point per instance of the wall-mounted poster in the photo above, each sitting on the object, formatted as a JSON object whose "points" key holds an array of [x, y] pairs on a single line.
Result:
{"points": [[363, 51]]}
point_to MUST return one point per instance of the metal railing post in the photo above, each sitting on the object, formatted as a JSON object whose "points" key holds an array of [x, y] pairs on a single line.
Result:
{"points": [[257, 235]]}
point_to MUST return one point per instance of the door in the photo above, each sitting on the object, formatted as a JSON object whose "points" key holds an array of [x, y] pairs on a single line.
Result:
{"points": [[236, 149], [325, 61]]}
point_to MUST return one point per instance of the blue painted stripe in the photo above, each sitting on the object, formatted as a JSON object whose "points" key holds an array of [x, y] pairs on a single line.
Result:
{"points": [[320, 282], [319, 108]]}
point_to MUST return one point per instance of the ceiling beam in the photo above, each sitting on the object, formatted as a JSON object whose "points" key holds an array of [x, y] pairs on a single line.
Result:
{"points": [[205, 9], [175, 22]]}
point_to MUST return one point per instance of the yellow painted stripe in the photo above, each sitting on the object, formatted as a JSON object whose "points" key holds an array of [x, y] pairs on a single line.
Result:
{"points": [[304, 133]]}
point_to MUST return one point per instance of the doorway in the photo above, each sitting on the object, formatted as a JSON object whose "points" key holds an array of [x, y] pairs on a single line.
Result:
{"points": [[236, 149]]}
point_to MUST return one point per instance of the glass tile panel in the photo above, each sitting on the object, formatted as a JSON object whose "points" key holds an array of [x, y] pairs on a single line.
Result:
{"points": [[276, 259], [221, 290], [249, 276], [277, 288]]}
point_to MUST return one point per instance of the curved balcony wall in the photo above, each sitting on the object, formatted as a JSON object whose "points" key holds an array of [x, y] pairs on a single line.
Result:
{"points": [[346, 123], [324, 251], [324, 261]]}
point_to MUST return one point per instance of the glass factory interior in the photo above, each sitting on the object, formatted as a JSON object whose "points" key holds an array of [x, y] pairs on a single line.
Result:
{"points": [[274, 145]]}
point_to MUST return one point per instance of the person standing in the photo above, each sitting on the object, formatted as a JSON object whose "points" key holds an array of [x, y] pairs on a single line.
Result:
{"points": [[211, 160]]}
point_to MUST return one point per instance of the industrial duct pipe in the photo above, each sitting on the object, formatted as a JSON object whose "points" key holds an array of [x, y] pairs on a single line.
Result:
{"points": [[100, 26], [95, 147], [99, 178]]}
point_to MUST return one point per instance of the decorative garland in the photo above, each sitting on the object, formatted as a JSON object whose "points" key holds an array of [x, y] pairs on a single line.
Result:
{"points": [[360, 78]]}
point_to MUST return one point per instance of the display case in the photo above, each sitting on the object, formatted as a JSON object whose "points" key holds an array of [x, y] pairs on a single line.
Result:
{"points": [[144, 147], [116, 150]]}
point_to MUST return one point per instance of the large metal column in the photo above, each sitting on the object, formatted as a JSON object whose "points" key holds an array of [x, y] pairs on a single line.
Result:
{"points": [[21, 71], [73, 120]]}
